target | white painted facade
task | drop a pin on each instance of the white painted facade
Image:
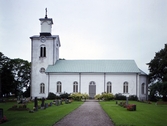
(49, 56)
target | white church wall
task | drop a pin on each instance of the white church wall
(117, 81)
(143, 80)
(97, 78)
(41, 62)
(67, 81)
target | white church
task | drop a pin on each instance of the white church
(50, 74)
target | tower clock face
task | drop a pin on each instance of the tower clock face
(42, 38)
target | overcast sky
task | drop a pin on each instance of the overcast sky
(88, 29)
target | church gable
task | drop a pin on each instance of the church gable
(93, 66)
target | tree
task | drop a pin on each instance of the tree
(21, 72)
(6, 77)
(14, 75)
(158, 74)
(7, 80)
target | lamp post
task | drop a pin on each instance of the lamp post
(127, 96)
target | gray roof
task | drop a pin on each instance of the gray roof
(93, 66)
(142, 73)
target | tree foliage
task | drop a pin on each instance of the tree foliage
(158, 74)
(14, 75)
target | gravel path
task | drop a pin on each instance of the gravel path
(88, 114)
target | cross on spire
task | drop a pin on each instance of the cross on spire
(46, 13)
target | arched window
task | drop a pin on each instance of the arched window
(59, 87)
(125, 87)
(92, 83)
(42, 51)
(42, 88)
(109, 87)
(142, 88)
(75, 86)
(42, 70)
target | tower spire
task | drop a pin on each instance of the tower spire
(46, 13)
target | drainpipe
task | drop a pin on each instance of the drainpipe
(80, 82)
(104, 81)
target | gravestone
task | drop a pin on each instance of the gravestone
(1, 113)
(57, 102)
(46, 105)
(21, 97)
(60, 102)
(43, 100)
(66, 101)
(50, 103)
(18, 98)
(36, 104)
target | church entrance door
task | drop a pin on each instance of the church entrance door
(92, 89)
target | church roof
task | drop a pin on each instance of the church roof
(93, 66)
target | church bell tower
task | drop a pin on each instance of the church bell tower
(44, 52)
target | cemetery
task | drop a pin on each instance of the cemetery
(23, 111)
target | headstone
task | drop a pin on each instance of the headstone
(21, 97)
(57, 102)
(18, 98)
(60, 101)
(42, 104)
(50, 103)
(46, 105)
(36, 104)
(66, 101)
(1, 113)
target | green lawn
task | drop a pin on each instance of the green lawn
(46, 117)
(145, 115)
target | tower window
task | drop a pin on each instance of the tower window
(125, 87)
(75, 86)
(59, 87)
(42, 70)
(42, 88)
(42, 51)
(109, 87)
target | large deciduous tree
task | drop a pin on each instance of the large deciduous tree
(158, 74)
(14, 75)
(21, 72)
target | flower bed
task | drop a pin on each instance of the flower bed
(21, 107)
(4, 119)
(161, 103)
(131, 107)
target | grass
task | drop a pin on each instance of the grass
(46, 117)
(145, 115)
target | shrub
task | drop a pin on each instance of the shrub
(14, 106)
(64, 95)
(107, 96)
(79, 96)
(133, 97)
(85, 96)
(98, 97)
(51, 96)
(104, 96)
(119, 96)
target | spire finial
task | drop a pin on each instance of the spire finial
(46, 13)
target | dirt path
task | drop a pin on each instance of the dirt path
(88, 114)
